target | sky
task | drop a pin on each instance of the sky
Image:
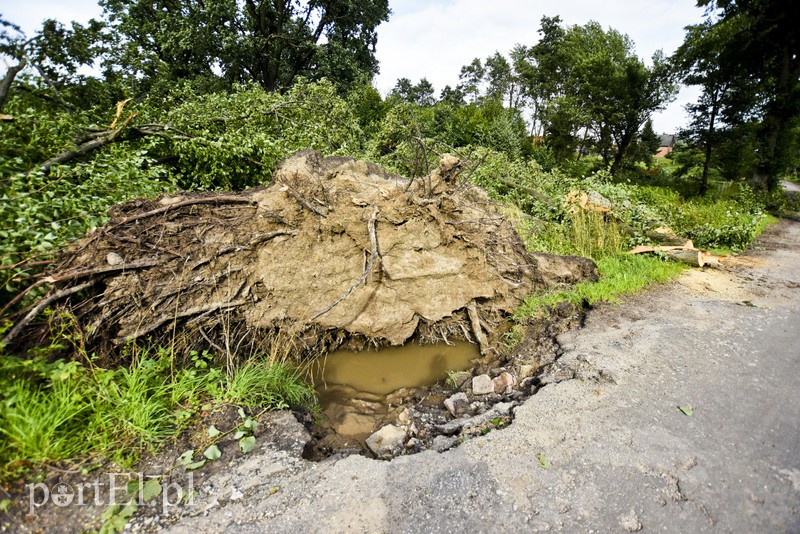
(435, 38)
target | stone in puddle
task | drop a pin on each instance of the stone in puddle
(503, 382)
(458, 404)
(482, 385)
(386, 440)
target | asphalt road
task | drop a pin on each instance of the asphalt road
(608, 451)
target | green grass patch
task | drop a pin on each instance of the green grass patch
(620, 274)
(68, 410)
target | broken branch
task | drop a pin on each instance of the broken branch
(14, 332)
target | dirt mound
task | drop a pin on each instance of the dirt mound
(334, 252)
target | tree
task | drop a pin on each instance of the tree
(646, 144)
(454, 97)
(271, 42)
(541, 70)
(421, 93)
(590, 90)
(699, 62)
(761, 47)
(470, 79)
(55, 53)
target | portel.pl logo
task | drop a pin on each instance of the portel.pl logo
(111, 489)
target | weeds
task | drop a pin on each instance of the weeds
(620, 274)
(54, 411)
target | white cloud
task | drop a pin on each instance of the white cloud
(29, 14)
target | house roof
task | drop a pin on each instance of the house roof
(667, 140)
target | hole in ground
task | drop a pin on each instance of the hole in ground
(403, 400)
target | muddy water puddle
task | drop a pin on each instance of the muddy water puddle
(361, 391)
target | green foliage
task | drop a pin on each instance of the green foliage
(621, 274)
(59, 410)
(728, 223)
(269, 42)
(235, 140)
(590, 91)
(745, 58)
(261, 383)
(39, 214)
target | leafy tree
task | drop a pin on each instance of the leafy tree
(646, 144)
(590, 90)
(421, 93)
(54, 54)
(454, 97)
(471, 78)
(700, 61)
(368, 107)
(271, 42)
(541, 70)
(759, 42)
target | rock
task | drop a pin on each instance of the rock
(526, 370)
(458, 404)
(169, 201)
(114, 259)
(482, 385)
(386, 440)
(235, 494)
(403, 418)
(559, 271)
(630, 522)
(504, 382)
(474, 424)
(478, 407)
(442, 443)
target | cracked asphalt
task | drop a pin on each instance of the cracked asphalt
(610, 450)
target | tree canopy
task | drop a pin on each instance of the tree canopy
(745, 57)
(269, 41)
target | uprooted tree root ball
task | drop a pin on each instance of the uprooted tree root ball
(335, 252)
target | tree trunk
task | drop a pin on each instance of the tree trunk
(620, 155)
(709, 142)
(5, 84)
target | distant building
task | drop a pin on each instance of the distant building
(666, 146)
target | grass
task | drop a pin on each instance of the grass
(65, 410)
(620, 274)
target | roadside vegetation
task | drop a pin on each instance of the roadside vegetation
(557, 132)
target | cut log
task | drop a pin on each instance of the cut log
(691, 257)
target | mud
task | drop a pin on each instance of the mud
(336, 253)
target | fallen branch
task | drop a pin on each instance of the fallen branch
(27, 263)
(685, 253)
(8, 79)
(14, 332)
(373, 257)
(86, 147)
(527, 190)
(73, 275)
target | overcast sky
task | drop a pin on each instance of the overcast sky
(435, 38)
